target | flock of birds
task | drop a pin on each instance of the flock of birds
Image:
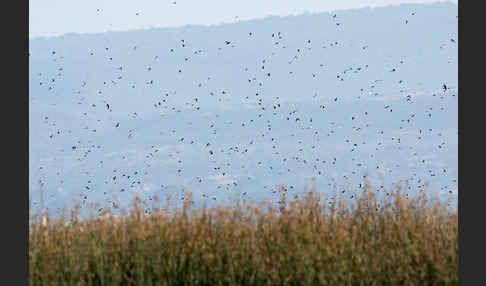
(225, 138)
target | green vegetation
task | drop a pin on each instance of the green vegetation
(304, 241)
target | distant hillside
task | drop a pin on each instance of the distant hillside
(301, 100)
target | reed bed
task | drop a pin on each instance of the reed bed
(304, 241)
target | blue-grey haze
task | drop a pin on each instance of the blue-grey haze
(308, 100)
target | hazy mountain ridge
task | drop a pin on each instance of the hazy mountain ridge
(226, 78)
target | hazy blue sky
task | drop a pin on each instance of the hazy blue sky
(55, 17)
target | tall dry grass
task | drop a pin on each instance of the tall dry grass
(301, 242)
